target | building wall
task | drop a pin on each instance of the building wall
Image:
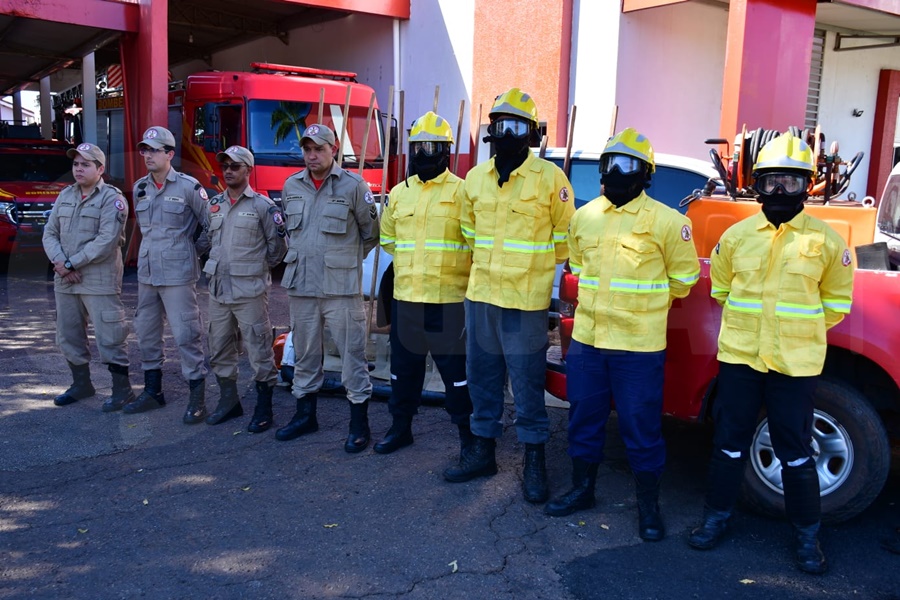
(670, 73)
(850, 81)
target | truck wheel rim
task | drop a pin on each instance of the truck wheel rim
(832, 451)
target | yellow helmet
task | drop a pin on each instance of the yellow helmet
(631, 143)
(517, 103)
(786, 152)
(431, 127)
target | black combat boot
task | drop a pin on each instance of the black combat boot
(802, 504)
(152, 396)
(196, 408)
(581, 496)
(477, 461)
(534, 474)
(81, 387)
(358, 437)
(303, 421)
(723, 484)
(650, 523)
(122, 393)
(262, 414)
(398, 436)
(229, 406)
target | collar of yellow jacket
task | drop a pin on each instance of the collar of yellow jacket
(632, 207)
(798, 222)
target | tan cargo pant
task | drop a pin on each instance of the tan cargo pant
(346, 320)
(178, 304)
(106, 312)
(252, 319)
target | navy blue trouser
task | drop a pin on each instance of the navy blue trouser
(417, 329)
(742, 392)
(594, 376)
(503, 341)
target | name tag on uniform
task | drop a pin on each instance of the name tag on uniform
(174, 199)
(247, 214)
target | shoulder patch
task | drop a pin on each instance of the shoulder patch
(119, 204)
(564, 194)
(686, 233)
(369, 198)
(202, 192)
(277, 218)
(845, 258)
(373, 212)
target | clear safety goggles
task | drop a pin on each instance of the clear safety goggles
(514, 127)
(427, 148)
(627, 165)
(791, 184)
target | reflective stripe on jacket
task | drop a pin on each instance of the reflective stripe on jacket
(631, 263)
(781, 289)
(420, 227)
(517, 232)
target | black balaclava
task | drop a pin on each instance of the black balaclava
(780, 207)
(621, 189)
(511, 153)
(429, 167)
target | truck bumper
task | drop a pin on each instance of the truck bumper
(555, 377)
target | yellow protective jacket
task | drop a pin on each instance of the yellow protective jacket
(631, 263)
(420, 227)
(517, 232)
(780, 289)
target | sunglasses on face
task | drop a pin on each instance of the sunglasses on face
(514, 127)
(791, 184)
(148, 151)
(232, 166)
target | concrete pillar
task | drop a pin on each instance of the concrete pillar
(46, 109)
(89, 99)
(17, 108)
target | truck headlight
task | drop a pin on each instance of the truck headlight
(8, 212)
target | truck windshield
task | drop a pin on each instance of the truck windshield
(275, 128)
(45, 168)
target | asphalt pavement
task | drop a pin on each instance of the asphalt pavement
(96, 505)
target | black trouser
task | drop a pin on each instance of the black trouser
(417, 329)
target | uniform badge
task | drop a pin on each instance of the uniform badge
(369, 198)
(214, 208)
(312, 130)
(373, 212)
(150, 134)
(845, 259)
(119, 204)
(278, 219)
(84, 147)
(686, 233)
(203, 194)
(564, 194)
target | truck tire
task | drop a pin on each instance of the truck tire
(852, 454)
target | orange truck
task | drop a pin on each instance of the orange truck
(32, 173)
(857, 408)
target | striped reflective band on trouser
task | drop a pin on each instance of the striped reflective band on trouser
(636, 286)
(744, 305)
(686, 279)
(799, 311)
(839, 306)
(576, 269)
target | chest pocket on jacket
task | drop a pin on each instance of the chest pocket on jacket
(293, 212)
(802, 274)
(65, 214)
(246, 231)
(142, 210)
(90, 219)
(637, 255)
(443, 222)
(334, 218)
(173, 213)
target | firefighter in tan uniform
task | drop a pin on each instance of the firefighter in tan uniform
(420, 227)
(633, 257)
(171, 211)
(516, 211)
(83, 239)
(783, 279)
(331, 224)
(246, 237)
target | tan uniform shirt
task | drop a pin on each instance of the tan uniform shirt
(170, 219)
(331, 229)
(90, 233)
(247, 240)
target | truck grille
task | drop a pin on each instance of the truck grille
(34, 213)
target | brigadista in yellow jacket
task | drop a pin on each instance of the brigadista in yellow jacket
(632, 262)
(781, 290)
(517, 232)
(421, 228)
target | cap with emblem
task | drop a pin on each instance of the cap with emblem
(237, 154)
(157, 137)
(88, 151)
(320, 134)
